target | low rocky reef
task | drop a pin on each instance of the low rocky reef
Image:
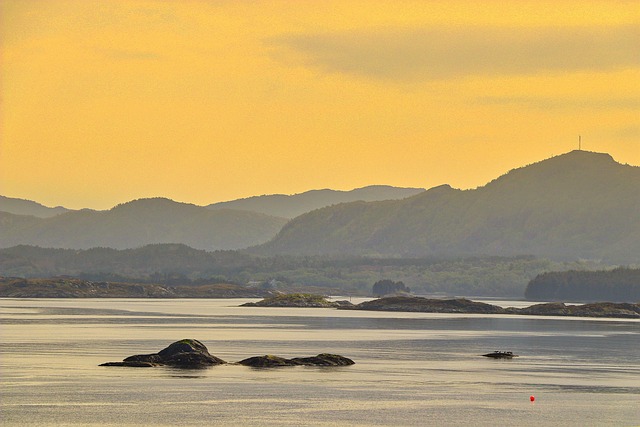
(461, 305)
(323, 359)
(500, 355)
(192, 354)
(598, 309)
(419, 304)
(298, 300)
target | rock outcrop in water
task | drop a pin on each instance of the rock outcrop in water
(599, 309)
(501, 355)
(323, 359)
(190, 353)
(187, 353)
(461, 305)
(426, 305)
(298, 300)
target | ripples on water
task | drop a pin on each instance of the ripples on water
(411, 368)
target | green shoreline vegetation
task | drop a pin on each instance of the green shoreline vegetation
(174, 265)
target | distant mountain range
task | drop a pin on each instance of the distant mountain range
(228, 225)
(28, 207)
(579, 205)
(285, 206)
(576, 205)
(141, 222)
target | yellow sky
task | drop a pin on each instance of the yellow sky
(203, 101)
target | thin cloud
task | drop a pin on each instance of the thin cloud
(441, 53)
(628, 133)
(128, 54)
(550, 103)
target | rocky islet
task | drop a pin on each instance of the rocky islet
(186, 353)
(409, 303)
(323, 359)
(462, 305)
(192, 354)
(298, 300)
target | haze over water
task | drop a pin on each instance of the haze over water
(411, 368)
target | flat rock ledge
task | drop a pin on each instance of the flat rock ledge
(187, 353)
(323, 359)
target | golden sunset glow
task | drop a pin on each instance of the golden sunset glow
(204, 101)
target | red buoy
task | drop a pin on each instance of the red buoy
(532, 398)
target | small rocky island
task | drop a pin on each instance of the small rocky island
(187, 353)
(426, 305)
(597, 309)
(455, 305)
(323, 359)
(462, 305)
(298, 300)
(190, 353)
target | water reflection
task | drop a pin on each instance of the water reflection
(411, 368)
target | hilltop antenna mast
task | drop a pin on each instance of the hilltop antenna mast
(579, 143)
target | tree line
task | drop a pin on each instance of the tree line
(617, 285)
(178, 265)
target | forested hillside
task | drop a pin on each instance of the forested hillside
(28, 207)
(579, 205)
(180, 265)
(617, 285)
(141, 222)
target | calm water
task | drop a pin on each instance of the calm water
(411, 368)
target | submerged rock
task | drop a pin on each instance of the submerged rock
(186, 353)
(323, 359)
(501, 355)
(130, 364)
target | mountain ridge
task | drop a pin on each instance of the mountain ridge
(305, 201)
(141, 222)
(161, 220)
(291, 206)
(18, 206)
(576, 205)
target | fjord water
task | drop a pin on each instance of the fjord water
(411, 368)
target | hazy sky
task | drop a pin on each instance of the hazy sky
(203, 101)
